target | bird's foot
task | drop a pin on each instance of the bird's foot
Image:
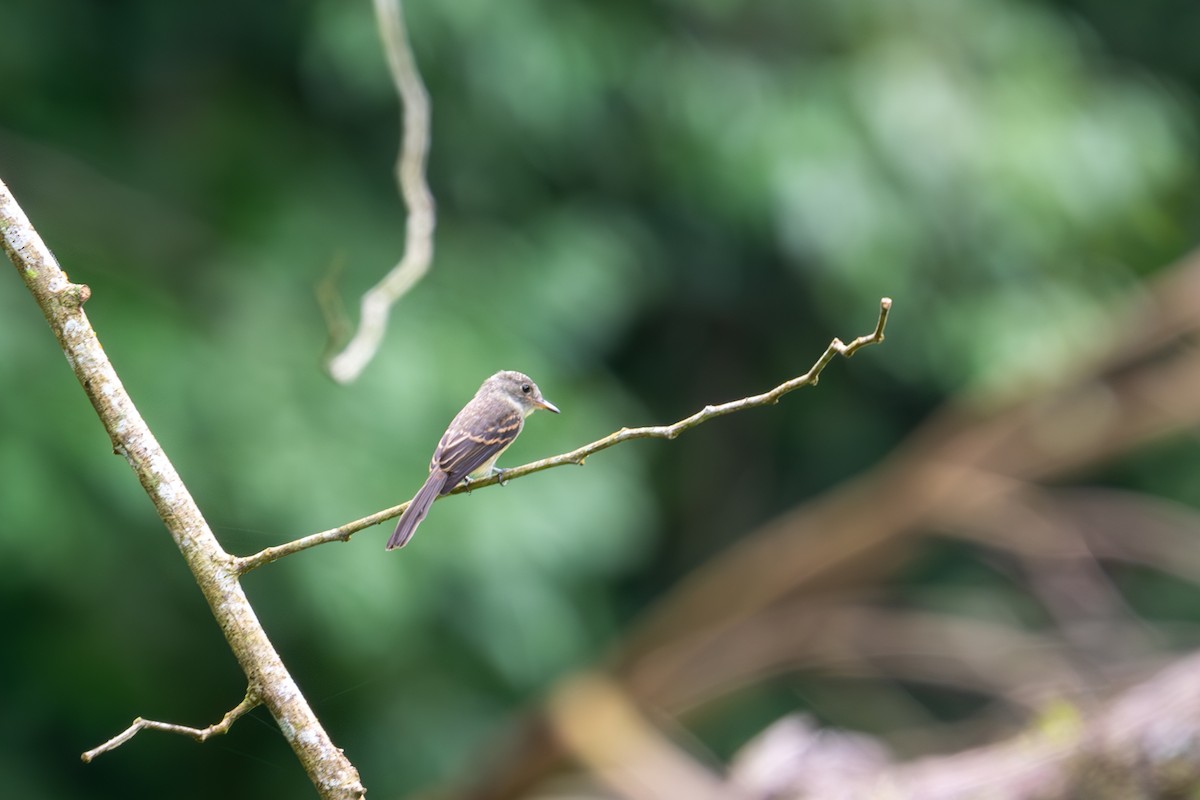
(499, 473)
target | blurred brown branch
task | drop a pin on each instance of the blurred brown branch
(854, 639)
(214, 570)
(625, 751)
(577, 456)
(377, 302)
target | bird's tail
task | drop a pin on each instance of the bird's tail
(418, 507)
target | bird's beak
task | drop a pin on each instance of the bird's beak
(541, 402)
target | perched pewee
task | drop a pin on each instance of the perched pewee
(475, 438)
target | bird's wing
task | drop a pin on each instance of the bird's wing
(465, 448)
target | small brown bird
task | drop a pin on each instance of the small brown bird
(473, 441)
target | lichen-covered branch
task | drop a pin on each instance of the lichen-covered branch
(410, 174)
(215, 570)
(577, 456)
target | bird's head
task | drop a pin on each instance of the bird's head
(521, 389)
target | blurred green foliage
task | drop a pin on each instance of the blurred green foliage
(647, 207)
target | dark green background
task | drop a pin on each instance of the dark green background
(646, 206)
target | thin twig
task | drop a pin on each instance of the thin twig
(343, 533)
(410, 174)
(250, 702)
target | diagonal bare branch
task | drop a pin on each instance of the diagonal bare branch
(214, 570)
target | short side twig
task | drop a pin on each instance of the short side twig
(199, 734)
(343, 533)
(410, 174)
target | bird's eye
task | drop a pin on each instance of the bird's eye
(526, 388)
